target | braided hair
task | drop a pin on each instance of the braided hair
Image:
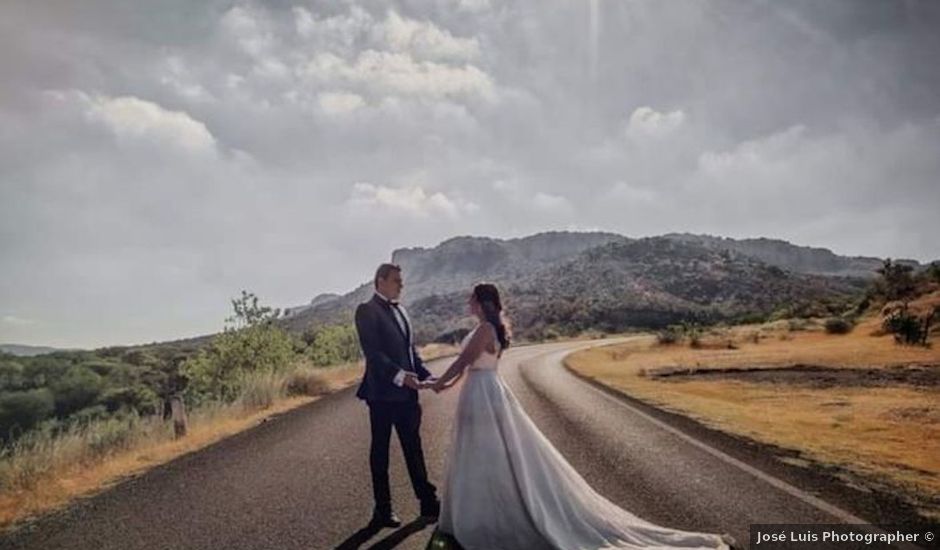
(487, 296)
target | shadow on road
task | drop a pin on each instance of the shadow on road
(399, 536)
(362, 536)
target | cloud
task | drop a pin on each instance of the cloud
(202, 148)
(411, 201)
(131, 118)
(382, 73)
(16, 321)
(339, 103)
(551, 203)
(427, 41)
(645, 122)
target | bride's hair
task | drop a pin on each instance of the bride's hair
(487, 296)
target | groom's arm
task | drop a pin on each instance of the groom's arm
(372, 348)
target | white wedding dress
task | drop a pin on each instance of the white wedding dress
(506, 487)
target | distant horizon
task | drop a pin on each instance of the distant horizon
(366, 277)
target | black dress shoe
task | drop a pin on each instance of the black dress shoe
(385, 520)
(430, 511)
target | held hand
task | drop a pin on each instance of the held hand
(438, 386)
(427, 383)
(411, 381)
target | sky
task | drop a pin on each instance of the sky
(156, 158)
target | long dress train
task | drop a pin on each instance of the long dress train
(506, 487)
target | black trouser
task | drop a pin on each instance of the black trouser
(406, 418)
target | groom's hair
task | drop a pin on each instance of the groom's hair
(384, 271)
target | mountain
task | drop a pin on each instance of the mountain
(567, 282)
(23, 350)
(318, 300)
(799, 259)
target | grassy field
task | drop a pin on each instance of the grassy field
(872, 410)
(42, 473)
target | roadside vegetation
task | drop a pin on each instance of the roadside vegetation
(856, 394)
(73, 423)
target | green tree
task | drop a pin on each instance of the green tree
(142, 399)
(332, 345)
(896, 281)
(248, 313)
(11, 375)
(20, 411)
(250, 343)
(79, 388)
(933, 272)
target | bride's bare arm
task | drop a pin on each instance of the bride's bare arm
(480, 340)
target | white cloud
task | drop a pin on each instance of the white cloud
(384, 73)
(249, 28)
(339, 103)
(719, 136)
(551, 203)
(622, 192)
(410, 200)
(759, 154)
(336, 33)
(646, 122)
(538, 201)
(132, 118)
(15, 321)
(425, 40)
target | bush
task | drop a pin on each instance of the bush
(306, 382)
(667, 336)
(76, 390)
(22, 410)
(794, 325)
(253, 345)
(896, 281)
(332, 345)
(11, 375)
(139, 398)
(838, 325)
(261, 390)
(89, 414)
(112, 434)
(906, 327)
(693, 331)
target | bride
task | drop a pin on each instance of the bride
(506, 487)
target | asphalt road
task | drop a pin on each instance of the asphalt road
(301, 480)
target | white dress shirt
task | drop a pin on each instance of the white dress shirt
(399, 379)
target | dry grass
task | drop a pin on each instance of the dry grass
(42, 473)
(883, 437)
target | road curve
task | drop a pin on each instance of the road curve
(301, 480)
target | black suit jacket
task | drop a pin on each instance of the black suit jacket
(386, 349)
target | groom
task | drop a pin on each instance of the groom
(393, 376)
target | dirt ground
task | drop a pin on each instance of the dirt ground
(858, 404)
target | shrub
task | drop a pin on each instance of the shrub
(794, 325)
(79, 388)
(305, 382)
(896, 281)
(22, 410)
(669, 335)
(333, 345)
(11, 375)
(906, 327)
(262, 389)
(838, 325)
(139, 398)
(253, 345)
